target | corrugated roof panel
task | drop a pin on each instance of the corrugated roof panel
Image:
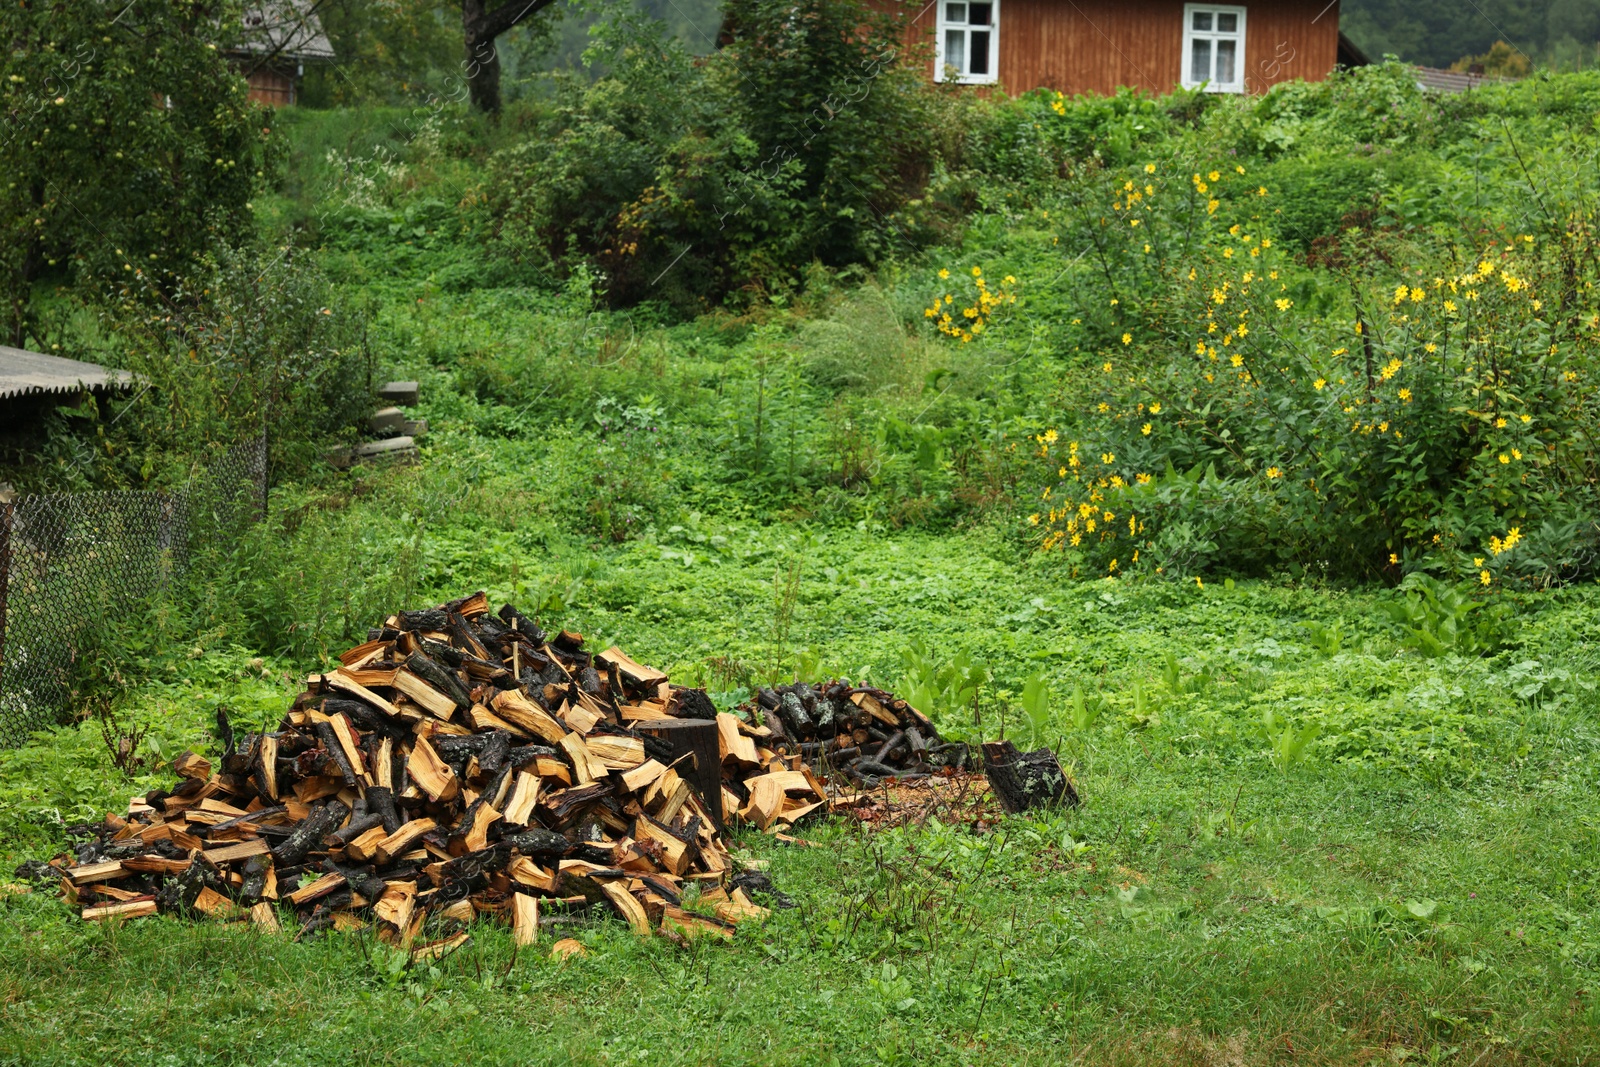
(23, 372)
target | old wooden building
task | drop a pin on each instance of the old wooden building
(279, 38)
(1095, 46)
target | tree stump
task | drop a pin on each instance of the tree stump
(1026, 780)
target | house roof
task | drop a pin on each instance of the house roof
(1450, 81)
(286, 28)
(23, 373)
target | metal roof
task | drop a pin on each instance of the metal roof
(1451, 81)
(286, 28)
(23, 373)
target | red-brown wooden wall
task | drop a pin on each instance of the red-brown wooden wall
(1094, 46)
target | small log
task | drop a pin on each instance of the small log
(1026, 780)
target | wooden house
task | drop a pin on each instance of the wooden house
(1095, 46)
(279, 38)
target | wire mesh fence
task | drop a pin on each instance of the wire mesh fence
(70, 561)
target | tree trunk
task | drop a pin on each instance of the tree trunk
(480, 26)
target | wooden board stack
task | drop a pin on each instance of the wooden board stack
(458, 764)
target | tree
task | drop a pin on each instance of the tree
(131, 149)
(481, 25)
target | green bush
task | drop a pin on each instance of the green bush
(1425, 407)
(682, 180)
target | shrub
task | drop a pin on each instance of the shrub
(1423, 410)
(683, 180)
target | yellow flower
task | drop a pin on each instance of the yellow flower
(1319, 384)
(1450, 306)
(1405, 394)
(1198, 583)
(1212, 205)
(1261, 191)
(1145, 429)
(1515, 454)
(1284, 304)
(977, 272)
(1108, 458)
(1477, 561)
(1213, 176)
(1106, 366)
(1274, 472)
(1050, 436)
(1483, 576)
(1504, 458)
(1239, 169)
(1033, 520)
(1236, 359)
(1500, 423)
(1155, 409)
(1104, 407)
(1430, 348)
(1149, 168)
(1127, 338)
(1394, 558)
(944, 272)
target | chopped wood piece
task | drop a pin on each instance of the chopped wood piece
(524, 919)
(427, 697)
(397, 843)
(766, 800)
(732, 741)
(264, 917)
(123, 909)
(320, 888)
(432, 774)
(365, 846)
(189, 765)
(435, 950)
(567, 948)
(523, 797)
(617, 753)
(642, 775)
(515, 708)
(643, 677)
(242, 850)
(342, 681)
(627, 907)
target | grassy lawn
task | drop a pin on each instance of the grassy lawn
(1302, 840)
(1419, 884)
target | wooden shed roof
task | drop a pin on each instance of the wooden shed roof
(23, 373)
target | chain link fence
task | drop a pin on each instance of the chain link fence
(71, 561)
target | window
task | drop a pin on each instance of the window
(969, 41)
(1213, 48)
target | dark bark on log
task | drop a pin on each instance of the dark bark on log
(1023, 781)
(380, 802)
(330, 744)
(445, 681)
(309, 834)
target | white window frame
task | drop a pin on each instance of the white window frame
(962, 78)
(1190, 34)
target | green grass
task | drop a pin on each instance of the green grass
(1414, 884)
(1428, 891)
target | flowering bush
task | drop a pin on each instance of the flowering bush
(974, 318)
(1435, 412)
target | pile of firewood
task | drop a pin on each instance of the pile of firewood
(859, 732)
(457, 764)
